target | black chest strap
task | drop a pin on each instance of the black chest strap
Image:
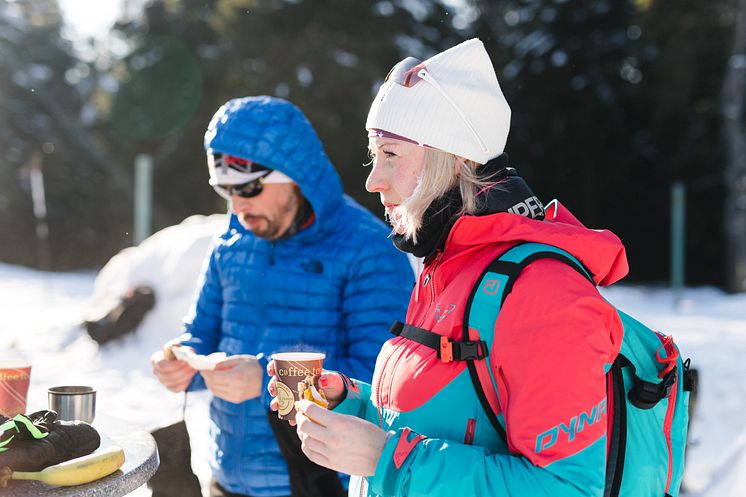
(448, 350)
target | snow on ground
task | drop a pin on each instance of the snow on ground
(41, 315)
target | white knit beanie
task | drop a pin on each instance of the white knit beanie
(468, 116)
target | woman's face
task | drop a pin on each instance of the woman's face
(396, 170)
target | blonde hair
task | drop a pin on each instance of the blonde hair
(441, 172)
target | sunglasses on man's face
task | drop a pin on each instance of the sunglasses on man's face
(243, 190)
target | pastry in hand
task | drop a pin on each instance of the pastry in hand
(168, 350)
(307, 389)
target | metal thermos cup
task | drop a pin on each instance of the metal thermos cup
(73, 403)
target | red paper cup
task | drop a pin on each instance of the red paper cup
(292, 368)
(14, 381)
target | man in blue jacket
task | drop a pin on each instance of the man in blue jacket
(301, 267)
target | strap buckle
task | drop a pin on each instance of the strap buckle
(645, 394)
(471, 351)
(461, 351)
(668, 381)
(445, 353)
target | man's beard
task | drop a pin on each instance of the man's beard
(271, 228)
(266, 230)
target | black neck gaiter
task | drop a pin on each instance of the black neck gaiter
(508, 192)
(303, 219)
(436, 222)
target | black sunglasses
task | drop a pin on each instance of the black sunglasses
(243, 190)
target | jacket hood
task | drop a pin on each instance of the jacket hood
(276, 134)
(600, 251)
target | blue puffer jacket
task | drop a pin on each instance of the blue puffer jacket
(334, 287)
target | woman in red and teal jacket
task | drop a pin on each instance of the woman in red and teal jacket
(437, 132)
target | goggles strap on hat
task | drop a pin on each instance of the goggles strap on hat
(426, 76)
(411, 71)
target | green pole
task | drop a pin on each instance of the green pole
(143, 197)
(678, 234)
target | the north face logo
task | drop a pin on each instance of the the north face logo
(313, 266)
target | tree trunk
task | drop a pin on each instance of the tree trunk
(732, 107)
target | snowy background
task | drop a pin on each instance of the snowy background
(41, 316)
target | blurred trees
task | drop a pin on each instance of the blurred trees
(612, 101)
(734, 115)
(157, 83)
(44, 93)
(325, 56)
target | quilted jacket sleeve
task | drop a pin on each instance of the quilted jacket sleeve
(203, 323)
(375, 294)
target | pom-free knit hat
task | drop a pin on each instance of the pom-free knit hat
(451, 102)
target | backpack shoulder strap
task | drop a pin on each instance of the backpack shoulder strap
(480, 315)
(486, 299)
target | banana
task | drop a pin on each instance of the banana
(78, 471)
(316, 396)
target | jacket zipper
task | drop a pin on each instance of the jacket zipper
(504, 386)
(471, 428)
(668, 421)
(272, 253)
(420, 270)
(430, 277)
(427, 280)
(378, 390)
(667, 431)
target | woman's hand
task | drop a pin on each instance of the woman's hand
(337, 441)
(330, 382)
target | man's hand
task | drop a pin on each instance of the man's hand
(338, 441)
(173, 374)
(236, 379)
